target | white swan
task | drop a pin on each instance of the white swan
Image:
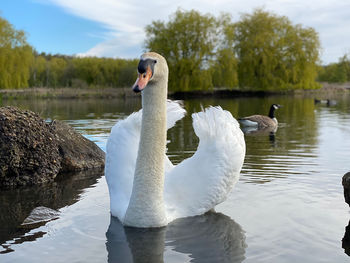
(146, 189)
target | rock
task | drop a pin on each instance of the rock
(33, 151)
(28, 148)
(77, 152)
(346, 185)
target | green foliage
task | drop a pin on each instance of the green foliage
(225, 69)
(336, 72)
(225, 63)
(15, 57)
(188, 41)
(38, 72)
(81, 72)
(261, 51)
(105, 72)
(273, 54)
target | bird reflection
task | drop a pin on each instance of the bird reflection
(268, 131)
(212, 237)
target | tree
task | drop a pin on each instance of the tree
(344, 62)
(336, 72)
(38, 71)
(56, 71)
(21, 66)
(273, 54)
(105, 71)
(15, 57)
(225, 62)
(188, 41)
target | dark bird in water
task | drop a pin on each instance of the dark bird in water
(262, 121)
(317, 101)
(328, 102)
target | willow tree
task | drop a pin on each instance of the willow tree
(188, 42)
(225, 63)
(38, 71)
(15, 57)
(274, 54)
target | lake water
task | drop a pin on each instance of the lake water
(288, 205)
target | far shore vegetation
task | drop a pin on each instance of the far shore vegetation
(261, 52)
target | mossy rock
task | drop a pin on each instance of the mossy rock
(33, 151)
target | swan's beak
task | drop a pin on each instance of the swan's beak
(142, 80)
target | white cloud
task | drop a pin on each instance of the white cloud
(125, 20)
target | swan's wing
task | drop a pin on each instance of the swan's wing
(121, 153)
(202, 181)
(175, 112)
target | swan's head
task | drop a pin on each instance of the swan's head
(152, 68)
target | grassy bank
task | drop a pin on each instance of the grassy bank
(65, 93)
(328, 90)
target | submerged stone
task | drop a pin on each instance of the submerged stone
(39, 216)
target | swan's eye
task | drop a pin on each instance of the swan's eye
(144, 75)
(154, 61)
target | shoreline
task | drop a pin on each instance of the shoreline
(64, 93)
(328, 90)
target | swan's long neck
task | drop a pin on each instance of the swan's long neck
(146, 206)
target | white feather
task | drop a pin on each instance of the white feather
(204, 180)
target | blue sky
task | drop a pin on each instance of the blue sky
(50, 28)
(115, 28)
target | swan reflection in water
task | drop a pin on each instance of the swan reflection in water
(212, 237)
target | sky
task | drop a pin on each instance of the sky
(115, 28)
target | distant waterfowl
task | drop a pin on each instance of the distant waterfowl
(331, 102)
(145, 188)
(328, 102)
(262, 121)
(317, 101)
